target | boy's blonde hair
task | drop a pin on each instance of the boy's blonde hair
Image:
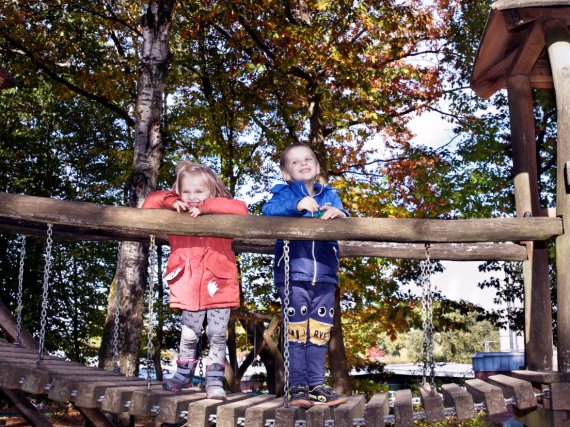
(211, 178)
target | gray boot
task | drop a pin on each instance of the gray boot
(182, 378)
(215, 382)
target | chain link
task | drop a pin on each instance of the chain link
(428, 359)
(286, 323)
(18, 341)
(43, 316)
(149, 347)
(116, 366)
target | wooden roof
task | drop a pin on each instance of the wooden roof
(513, 44)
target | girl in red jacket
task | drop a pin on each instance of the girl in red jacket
(201, 274)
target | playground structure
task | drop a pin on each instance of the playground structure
(526, 45)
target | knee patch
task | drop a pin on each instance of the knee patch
(320, 332)
(297, 332)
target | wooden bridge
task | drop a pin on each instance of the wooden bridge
(94, 390)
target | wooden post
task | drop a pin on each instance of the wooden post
(558, 42)
(537, 303)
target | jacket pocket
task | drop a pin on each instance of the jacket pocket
(220, 266)
(174, 268)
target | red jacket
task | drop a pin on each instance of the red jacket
(201, 272)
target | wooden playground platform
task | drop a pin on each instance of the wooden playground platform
(96, 389)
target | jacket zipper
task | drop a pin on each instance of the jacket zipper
(314, 281)
(314, 265)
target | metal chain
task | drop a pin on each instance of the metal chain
(286, 323)
(116, 367)
(149, 347)
(18, 341)
(428, 358)
(43, 316)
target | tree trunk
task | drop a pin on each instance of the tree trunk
(337, 357)
(132, 260)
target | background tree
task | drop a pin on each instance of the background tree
(248, 78)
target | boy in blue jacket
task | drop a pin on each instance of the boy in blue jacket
(313, 275)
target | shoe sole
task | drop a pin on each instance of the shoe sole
(335, 402)
(301, 403)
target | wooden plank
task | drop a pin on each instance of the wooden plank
(432, 403)
(91, 394)
(346, 412)
(403, 409)
(317, 415)
(90, 388)
(200, 411)
(541, 377)
(376, 409)
(146, 403)
(257, 416)
(118, 399)
(174, 408)
(127, 223)
(228, 415)
(512, 387)
(489, 394)
(460, 399)
(39, 381)
(286, 417)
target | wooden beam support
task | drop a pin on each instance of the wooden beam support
(130, 223)
(392, 250)
(537, 302)
(558, 42)
(28, 411)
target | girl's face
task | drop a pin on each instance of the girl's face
(300, 165)
(194, 189)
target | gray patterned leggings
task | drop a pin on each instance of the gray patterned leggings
(192, 321)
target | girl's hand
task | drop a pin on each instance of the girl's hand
(308, 204)
(331, 212)
(194, 212)
(181, 206)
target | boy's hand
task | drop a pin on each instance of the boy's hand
(331, 212)
(308, 204)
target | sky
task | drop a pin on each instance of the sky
(459, 280)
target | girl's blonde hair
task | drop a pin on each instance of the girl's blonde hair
(211, 178)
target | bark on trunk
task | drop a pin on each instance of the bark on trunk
(338, 361)
(148, 148)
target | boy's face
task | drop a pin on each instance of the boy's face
(194, 189)
(300, 165)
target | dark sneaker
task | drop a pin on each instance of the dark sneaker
(325, 395)
(299, 396)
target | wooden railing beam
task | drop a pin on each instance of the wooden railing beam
(123, 223)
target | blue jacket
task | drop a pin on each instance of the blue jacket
(310, 260)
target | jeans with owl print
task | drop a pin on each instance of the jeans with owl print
(310, 311)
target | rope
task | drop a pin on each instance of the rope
(428, 359)
(286, 324)
(43, 316)
(149, 349)
(18, 341)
